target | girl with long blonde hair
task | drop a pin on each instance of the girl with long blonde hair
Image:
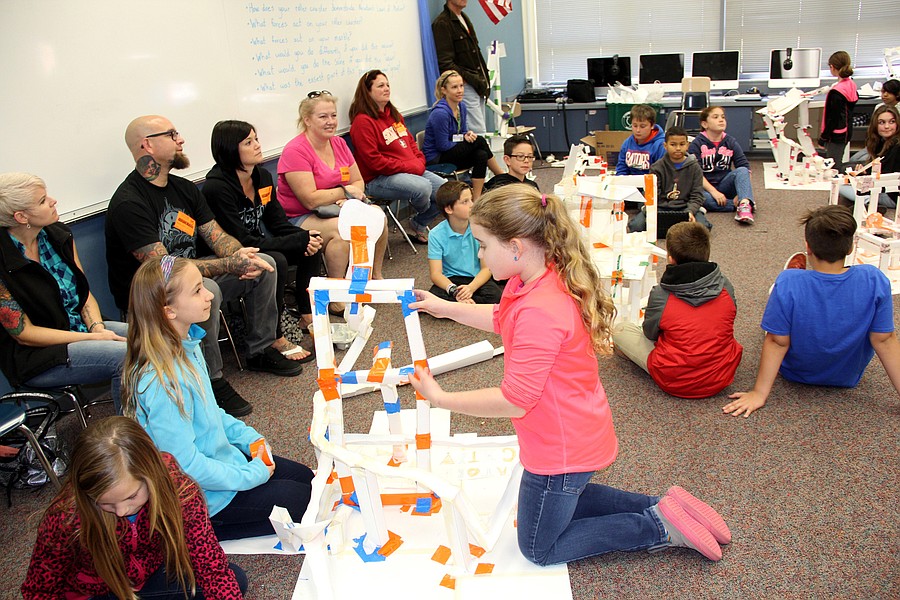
(127, 521)
(167, 389)
(555, 319)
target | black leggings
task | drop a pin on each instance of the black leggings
(465, 155)
(307, 268)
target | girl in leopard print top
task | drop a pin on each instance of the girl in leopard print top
(126, 521)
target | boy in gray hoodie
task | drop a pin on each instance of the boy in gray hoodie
(679, 182)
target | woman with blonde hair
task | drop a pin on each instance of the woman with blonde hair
(126, 522)
(53, 333)
(554, 319)
(316, 173)
(448, 138)
(166, 388)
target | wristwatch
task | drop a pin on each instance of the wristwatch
(451, 289)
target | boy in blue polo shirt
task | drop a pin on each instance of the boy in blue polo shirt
(456, 271)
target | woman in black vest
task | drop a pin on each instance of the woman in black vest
(52, 332)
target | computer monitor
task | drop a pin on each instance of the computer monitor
(609, 70)
(795, 68)
(722, 68)
(666, 69)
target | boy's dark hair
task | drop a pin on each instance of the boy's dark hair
(829, 232)
(891, 86)
(675, 130)
(688, 242)
(514, 140)
(448, 194)
(643, 112)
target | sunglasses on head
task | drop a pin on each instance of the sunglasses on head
(319, 93)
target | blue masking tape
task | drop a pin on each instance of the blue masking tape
(321, 297)
(349, 377)
(406, 298)
(423, 505)
(373, 557)
(359, 277)
(392, 408)
(407, 371)
(384, 345)
(354, 308)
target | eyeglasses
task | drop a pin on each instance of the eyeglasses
(522, 157)
(319, 93)
(172, 133)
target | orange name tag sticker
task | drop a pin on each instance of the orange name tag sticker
(185, 223)
(345, 174)
(265, 194)
(400, 128)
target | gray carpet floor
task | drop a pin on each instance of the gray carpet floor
(809, 484)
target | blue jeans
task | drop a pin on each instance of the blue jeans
(159, 587)
(846, 193)
(247, 515)
(736, 184)
(90, 361)
(419, 190)
(563, 518)
(639, 221)
(475, 113)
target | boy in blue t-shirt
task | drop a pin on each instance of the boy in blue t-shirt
(645, 144)
(809, 337)
(456, 271)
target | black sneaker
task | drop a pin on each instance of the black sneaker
(271, 360)
(229, 400)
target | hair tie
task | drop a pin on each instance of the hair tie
(544, 200)
(166, 263)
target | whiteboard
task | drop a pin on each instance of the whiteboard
(75, 73)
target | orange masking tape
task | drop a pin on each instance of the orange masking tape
(423, 441)
(649, 190)
(358, 237)
(441, 555)
(376, 373)
(587, 204)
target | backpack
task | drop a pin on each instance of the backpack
(24, 470)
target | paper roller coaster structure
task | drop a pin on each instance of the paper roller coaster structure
(358, 475)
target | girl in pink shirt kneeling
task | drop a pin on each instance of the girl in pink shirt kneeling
(554, 318)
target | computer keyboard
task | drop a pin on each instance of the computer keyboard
(746, 97)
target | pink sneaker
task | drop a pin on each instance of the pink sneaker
(702, 513)
(744, 212)
(685, 531)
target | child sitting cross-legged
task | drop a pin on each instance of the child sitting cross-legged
(824, 324)
(679, 182)
(456, 271)
(726, 170)
(687, 340)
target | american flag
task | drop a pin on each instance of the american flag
(496, 9)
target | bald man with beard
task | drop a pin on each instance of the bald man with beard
(153, 213)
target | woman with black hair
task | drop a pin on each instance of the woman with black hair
(242, 196)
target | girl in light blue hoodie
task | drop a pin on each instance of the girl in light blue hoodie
(166, 387)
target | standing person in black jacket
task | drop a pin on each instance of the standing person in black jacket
(242, 196)
(458, 50)
(53, 333)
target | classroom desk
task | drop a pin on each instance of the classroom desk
(578, 119)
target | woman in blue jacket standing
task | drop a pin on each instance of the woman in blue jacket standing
(449, 140)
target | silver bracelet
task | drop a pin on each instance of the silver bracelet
(94, 324)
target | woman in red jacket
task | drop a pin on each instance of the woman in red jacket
(389, 159)
(128, 521)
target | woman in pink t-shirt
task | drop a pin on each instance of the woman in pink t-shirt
(554, 318)
(317, 170)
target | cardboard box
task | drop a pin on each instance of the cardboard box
(607, 144)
